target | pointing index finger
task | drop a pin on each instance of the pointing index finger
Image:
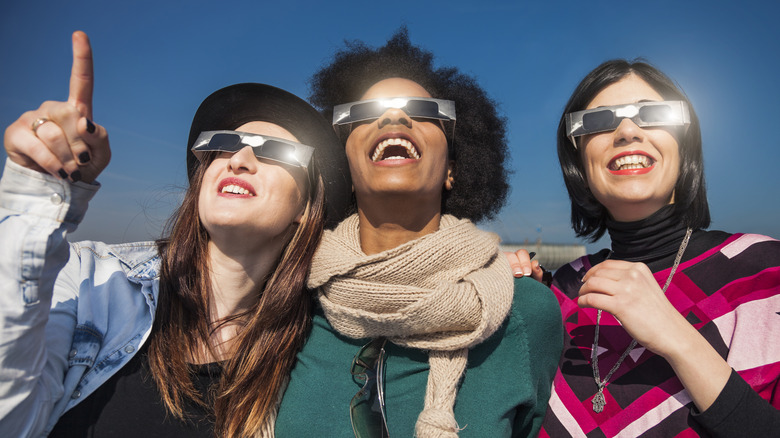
(81, 76)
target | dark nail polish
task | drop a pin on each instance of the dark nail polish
(84, 157)
(63, 174)
(90, 127)
(75, 176)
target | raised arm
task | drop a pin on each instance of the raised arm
(55, 153)
(60, 138)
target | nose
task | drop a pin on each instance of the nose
(628, 132)
(243, 161)
(395, 116)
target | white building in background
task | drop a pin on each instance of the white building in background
(551, 255)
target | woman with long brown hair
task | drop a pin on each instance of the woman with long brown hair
(193, 335)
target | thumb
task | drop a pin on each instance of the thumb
(81, 76)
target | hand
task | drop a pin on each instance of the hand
(630, 293)
(522, 266)
(68, 144)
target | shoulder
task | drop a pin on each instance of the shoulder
(751, 246)
(531, 337)
(568, 278)
(533, 299)
(535, 316)
(137, 259)
(740, 254)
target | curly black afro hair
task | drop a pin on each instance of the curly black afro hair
(480, 180)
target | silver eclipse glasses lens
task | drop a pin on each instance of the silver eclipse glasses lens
(415, 107)
(263, 146)
(644, 114)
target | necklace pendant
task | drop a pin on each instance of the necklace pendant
(599, 402)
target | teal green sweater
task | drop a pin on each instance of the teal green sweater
(503, 393)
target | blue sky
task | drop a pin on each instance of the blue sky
(155, 61)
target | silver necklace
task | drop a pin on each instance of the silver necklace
(598, 400)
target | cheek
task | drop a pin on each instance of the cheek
(593, 148)
(436, 142)
(434, 132)
(674, 175)
(354, 155)
(212, 172)
(300, 180)
(584, 140)
(351, 146)
(206, 185)
(290, 185)
(666, 142)
(587, 162)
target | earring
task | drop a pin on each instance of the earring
(449, 183)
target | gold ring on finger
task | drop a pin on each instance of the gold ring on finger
(37, 124)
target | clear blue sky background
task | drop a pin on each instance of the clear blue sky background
(156, 60)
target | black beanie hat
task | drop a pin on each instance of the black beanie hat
(235, 105)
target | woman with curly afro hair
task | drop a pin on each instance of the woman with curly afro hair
(420, 329)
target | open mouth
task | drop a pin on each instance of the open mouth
(235, 186)
(631, 162)
(395, 149)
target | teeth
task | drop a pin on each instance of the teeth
(236, 190)
(631, 162)
(380, 149)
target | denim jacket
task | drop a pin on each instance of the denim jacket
(71, 315)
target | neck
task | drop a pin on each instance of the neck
(632, 212)
(389, 221)
(636, 211)
(236, 279)
(237, 276)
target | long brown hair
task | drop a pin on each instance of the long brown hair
(271, 333)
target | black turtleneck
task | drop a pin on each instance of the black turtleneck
(655, 240)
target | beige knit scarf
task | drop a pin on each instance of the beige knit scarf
(445, 292)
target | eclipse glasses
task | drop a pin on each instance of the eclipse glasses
(263, 146)
(415, 107)
(644, 114)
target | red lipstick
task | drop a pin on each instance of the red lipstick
(647, 165)
(231, 181)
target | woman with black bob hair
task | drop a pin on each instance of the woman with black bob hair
(190, 336)
(588, 216)
(673, 330)
(420, 330)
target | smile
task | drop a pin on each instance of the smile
(236, 190)
(235, 186)
(395, 149)
(631, 162)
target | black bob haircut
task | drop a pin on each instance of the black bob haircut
(588, 216)
(480, 179)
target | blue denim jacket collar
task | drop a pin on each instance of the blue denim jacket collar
(140, 266)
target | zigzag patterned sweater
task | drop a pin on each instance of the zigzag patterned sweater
(728, 287)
